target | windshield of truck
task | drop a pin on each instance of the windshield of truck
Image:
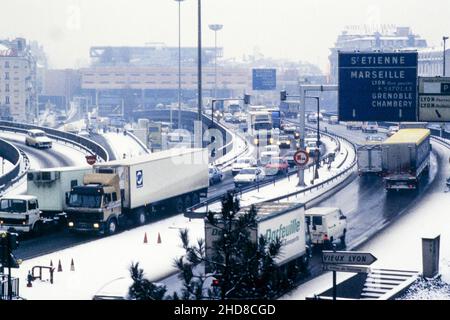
(84, 200)
(13, 206)
(263, 126)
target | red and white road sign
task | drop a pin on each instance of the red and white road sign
(301, 157)
(92, 159)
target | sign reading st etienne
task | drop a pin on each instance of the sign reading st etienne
(348, 257)
(264, 79)
(434, 99)
(377, 86)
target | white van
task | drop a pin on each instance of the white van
(326, 223)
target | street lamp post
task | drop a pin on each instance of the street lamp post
(316, 172)
(443, 69)
(179, 62)
(199, 63)
(215, 28)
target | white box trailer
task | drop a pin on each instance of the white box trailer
(159, 176)
(369, 158)
(50, 185)
(274, 220)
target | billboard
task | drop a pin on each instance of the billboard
(264, 79)
(434, 99)
(377, 86)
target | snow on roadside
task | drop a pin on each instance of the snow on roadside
(123, 145)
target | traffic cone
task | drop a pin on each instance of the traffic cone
(159, 238)
(72, 266)
(145, 238)
(59, 266)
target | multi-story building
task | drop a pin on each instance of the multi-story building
(17, 80)
(358, 38)
(431, 62)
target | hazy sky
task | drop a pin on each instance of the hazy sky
(293, 29)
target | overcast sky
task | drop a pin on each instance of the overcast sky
(293, 29)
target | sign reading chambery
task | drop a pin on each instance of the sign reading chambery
(377, 86)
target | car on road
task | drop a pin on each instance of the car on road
(289, 157)
(392, 130)
(333, 120)
(276, 165)
(227, 117)
(271, 148)
(284, 142)
(326, 225)
(242, 163)
(370, 126)
(38, 139)
(248, 176)
(374, 139)
(289, 129)
(350, 125)
(215, 175)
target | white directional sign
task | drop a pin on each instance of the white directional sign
(434, 99)
(348, 257)
(346, 268)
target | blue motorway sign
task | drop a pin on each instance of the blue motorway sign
(377, 86)
(264, 79)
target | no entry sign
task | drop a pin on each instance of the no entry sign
(92, 159)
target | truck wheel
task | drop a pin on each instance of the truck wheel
(179, 208)
(37, 229)
(111, 227)
(342, 238)
(141, 217)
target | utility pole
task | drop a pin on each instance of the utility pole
(443, 69)
(179, 63)
(199, 63)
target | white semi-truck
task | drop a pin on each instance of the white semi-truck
(260, 127)
(369, 158)
(285, 221)
(136, 188)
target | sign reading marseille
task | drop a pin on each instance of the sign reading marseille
(377, 86)
(264, 79)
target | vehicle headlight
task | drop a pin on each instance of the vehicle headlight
(271, 140)
(279, 142)
(71, 224)
(288, 142)
(255, 141)
(96, 225)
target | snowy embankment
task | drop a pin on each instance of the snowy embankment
(102, 261)
(239, 148)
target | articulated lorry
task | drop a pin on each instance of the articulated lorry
(405, 157)
(123, 191)
(260, 127)
(285, 221)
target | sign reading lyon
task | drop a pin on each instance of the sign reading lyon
(377, 86)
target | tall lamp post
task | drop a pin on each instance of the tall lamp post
(199, 63)
(316, 172)
(443, 69)
(179, 62)
(215, 28)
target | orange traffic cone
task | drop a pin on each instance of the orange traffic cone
(72, 266)
(145, 238)
(59, 266)
(159, 238)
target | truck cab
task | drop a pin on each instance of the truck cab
(96, 206)
(20, 213)
(326, 225)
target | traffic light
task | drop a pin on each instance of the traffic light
(283, 95)
(246, 99)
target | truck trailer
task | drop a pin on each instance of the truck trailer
(405, 156)
(131, 190)
(369, 158)
(285, 221)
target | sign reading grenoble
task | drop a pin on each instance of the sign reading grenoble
(377, 86)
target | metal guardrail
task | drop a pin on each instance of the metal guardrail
(66, 137)
(13, 155)
(4, 287)
(206, 203)
(138, 141)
